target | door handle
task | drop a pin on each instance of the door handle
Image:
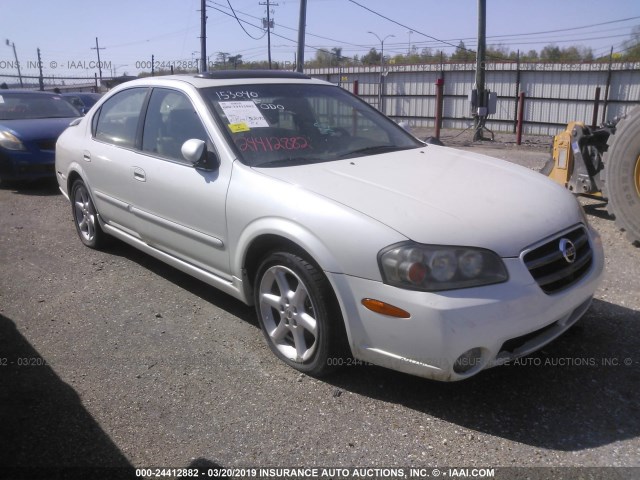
(86, 155)
(139, 174)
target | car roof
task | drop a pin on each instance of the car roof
(228, 77)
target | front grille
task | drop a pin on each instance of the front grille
(549, 267)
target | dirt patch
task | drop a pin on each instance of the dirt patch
(533, 151)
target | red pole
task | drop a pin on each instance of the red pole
(596, 104)
(355, 87)
(439, 90)
(520, 115)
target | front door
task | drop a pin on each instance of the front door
(180, 209)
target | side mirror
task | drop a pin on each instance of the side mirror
(195, 152)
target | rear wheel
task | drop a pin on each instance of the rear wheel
(298, 314)
(85, 216)
(622, 175)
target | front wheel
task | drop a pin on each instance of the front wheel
(298, 314)
(85, 217)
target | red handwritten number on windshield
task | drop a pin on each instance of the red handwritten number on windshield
(270, 144)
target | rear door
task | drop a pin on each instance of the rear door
(111, 155)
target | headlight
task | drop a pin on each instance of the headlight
(9, 141)
(433, 267)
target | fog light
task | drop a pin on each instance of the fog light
(468, 360)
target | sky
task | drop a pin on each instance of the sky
(130, 32)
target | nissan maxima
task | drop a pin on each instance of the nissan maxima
(355, 241)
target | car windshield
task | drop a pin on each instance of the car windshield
(21, 106)
(273, 125)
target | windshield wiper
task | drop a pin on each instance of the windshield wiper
(290, 162)
(373, 150)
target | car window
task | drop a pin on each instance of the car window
(279, 125)
(29, 105)
(171, 120)
(118, 117)
(75, 101)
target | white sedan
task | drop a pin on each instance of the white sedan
(355, 241)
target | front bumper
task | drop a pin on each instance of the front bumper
(26, 165)
(504, 321)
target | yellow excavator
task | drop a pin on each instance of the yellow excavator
(602, 162)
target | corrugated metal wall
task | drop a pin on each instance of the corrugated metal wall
(555, 94)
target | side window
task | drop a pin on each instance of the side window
(171, 120)
(118, 118)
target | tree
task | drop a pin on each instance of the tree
(463, 54)
(371, 58)
(323, 58)
(235, 60)
(499, 52)
(221, 59)
(551, 53)
(631, 47)
(336, 55)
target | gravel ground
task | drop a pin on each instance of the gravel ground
(113, 359)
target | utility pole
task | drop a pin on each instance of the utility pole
(40, 78)
(269, 24)
(203, 35)
(97, 48)
(480, 113)
(302, 24)
(12, 44)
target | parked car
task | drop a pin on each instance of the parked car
(355, 241)
(83, 101)
(30, 123)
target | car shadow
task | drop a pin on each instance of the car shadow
(598, 210)
(578, 392)
(39, 188)
(196, 287)
(46, 432)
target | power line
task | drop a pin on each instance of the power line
(256, 26)
(404, 26)
(568, 29)
(445, 42)
(437, 41)
(341, 42)
(240, 23)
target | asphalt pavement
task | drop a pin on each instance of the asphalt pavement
(113, 359)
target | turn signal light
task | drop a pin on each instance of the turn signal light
(385, 308)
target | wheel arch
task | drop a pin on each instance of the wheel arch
(71, 179)
(267, 235)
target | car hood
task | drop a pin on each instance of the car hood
(36, 128)
(439, 195)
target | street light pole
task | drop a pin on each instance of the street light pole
(12, 44)
(381, 86)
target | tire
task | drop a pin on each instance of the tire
(85, 217)
(298, 314)
(622, 175)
